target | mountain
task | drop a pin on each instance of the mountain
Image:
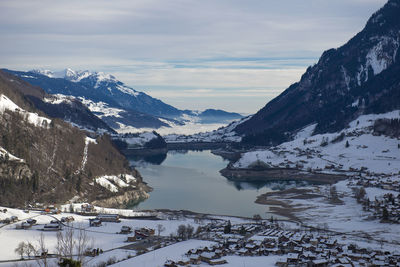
(67, 109)
(44, 159)
(117, 104)
(120, 106)
(360, 77)
(217, 115)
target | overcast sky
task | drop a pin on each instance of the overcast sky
(195, 54)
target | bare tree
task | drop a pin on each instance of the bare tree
(65, 242)
(43, 251)
(160, 229)
(181, 232)
(30, 249)
(72, 243)
(189, 231)
(82, 244)
(20, 249)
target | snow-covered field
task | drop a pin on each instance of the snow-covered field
(357, 151)
(348, 217)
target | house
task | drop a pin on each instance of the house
(170, 263)
(108, 218)
(208, 256)
(87, 208)
(194, 259)
(52, 227)
(126, 230)
(319, 263)
(217, 262)
(292, 258)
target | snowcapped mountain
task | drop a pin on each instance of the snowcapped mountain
(120, 106)
(360, 77)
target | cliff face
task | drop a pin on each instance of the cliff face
(360, 77)
(48, 160)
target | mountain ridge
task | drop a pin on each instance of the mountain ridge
(337, 89)
(136, 109)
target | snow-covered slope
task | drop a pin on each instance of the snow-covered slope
(32, 118)
(356, 149)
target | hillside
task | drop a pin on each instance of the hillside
(360, 77)
(48, 160)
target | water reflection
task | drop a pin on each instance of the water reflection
(276, 185)
(141, 160)
(190, 180)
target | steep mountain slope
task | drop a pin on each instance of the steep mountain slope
(360, 77)
(48, 160)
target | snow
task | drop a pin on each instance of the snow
(137, 140)
(373, 154)
(355, 103)
(104, 182)
(224, 133)
(32, 118)
(348, 217)
(101, 109)
(88, 141)
(379, 57)
(58, 99)
(128, 90)
(103, 237)
(112, 182)
(160, 256)
(306, 131)
(4, 152)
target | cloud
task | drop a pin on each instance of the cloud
(185, 45)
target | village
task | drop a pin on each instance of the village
(228, 239)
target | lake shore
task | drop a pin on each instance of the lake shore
(280, 174)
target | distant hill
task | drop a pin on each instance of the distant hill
(360, 77)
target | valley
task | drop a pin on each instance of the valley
(95, 172)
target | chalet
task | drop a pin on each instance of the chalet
(217, 262)
(207, 256)
(52, 227)
(125, 230)
(87, 208)
(170, 263)
(194, 259)
(319, 263)
(292, 258)
(108, 218)
(23, 225)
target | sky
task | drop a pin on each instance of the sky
(193, 54)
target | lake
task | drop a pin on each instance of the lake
(191, 181)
